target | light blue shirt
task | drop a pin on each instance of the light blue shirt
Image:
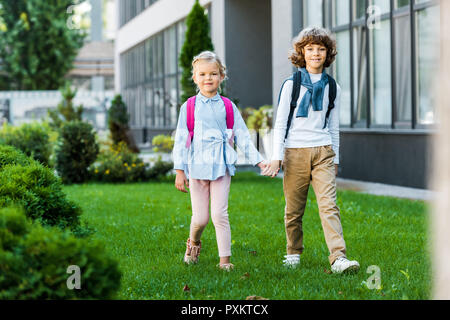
(210, 154)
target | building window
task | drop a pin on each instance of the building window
(313, 10)
(342, 75)
(385, 69)
(428, 57)
(128, 9)
(150, 79)
(380, 64)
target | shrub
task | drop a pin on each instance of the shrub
(65, 111)
(76, 150)
(32, 139)
(118, 124)
(118, 164)
(39, 192)
(159, 169)
(260, 118)
(34, 262)
(163, 143)
(10, 155)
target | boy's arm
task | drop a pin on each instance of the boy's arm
(282, 114)
(334, 124)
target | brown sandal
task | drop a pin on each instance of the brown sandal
(192, 252)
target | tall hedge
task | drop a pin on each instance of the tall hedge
(197, 39)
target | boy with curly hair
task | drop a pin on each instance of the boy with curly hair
(306, 143)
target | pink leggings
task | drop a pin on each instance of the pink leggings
(216, 190)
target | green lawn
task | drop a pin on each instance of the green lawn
(145, 226)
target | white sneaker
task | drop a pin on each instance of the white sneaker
(343, 265)
(292, 260)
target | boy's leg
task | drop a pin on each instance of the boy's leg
(220, 190)
(324, 184)
(297, 173)
(199, 190)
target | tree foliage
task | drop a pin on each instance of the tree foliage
(119, 128)
(37, 43)
(197, 39)
(65, 110)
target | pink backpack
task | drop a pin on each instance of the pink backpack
(191, 119)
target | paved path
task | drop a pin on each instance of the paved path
(374, 188)
(385, 189)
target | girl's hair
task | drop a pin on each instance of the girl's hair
(210, 57)
(312, 35)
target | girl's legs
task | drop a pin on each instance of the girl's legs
(201, 192)
(220, 190)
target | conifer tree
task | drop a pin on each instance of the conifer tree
(197, 39)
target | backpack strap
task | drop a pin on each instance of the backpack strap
(297, 78)
(190, 119)
(230, 117)
(332, 89)
(230, 112)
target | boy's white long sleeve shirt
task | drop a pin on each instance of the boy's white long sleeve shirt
(306, 132)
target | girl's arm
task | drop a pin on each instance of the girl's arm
(179, 153)
(243, 139)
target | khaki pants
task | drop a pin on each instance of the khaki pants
(301, 167)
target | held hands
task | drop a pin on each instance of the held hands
(271, 168)
(181, 181)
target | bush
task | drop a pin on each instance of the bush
(260, 118)
(159, 169)
(32, 139)
(118, 124)
(76, 150)
(34, 262)
(65, 111)
(10, 155)
(118, 164)
(163, 143)
(39, 192)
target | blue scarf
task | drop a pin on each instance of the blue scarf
(314, 94)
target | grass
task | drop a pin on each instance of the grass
(145, 227)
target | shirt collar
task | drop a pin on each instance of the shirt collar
(205, 99)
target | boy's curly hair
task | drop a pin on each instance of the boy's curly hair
(312, 35)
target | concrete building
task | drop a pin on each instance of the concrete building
(388, 53)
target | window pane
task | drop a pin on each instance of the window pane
(170, 59)
(428, 57)
(382, 106)
(359, 9)
(343, 75)
(403, 67)
(341, 9)
(313, 13)
(383, 5)
(359, 75)
(401, 3)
